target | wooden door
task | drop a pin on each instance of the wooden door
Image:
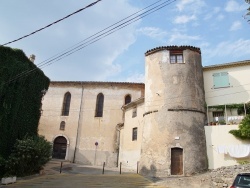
(59, 148)
(176, 161)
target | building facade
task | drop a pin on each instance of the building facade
(162, 126)
(81, 119)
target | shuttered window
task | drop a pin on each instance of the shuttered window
(221, 79)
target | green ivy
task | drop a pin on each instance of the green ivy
(239, 107)
(244, 129)
(20, 99)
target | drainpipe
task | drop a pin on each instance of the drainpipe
(118, 128)
(226, 113)
(78, 126)
(118, 151)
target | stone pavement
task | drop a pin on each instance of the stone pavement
(80, 180)
(75, 176)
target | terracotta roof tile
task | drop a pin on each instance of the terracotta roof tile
(172, 48)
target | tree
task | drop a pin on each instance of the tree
(28, 156)
(20, 99)
(244, 129)
(248, 13)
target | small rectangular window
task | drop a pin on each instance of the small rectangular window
(134, 113)
(176, 56)
(221, 80)
(134, 134)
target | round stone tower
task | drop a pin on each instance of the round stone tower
(173, 134)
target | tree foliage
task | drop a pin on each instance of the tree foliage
(244, 129)
(20, 99)
(28, 156)
(248, 13)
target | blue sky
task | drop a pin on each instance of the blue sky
(217, 27)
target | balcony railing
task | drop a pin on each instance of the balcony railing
(229, 120)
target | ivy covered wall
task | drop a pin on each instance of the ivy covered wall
(20, 100)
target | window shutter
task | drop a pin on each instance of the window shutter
(221, 80)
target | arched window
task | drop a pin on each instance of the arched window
(99, 105)
(66, 104)
(127, 99)
(62, 125)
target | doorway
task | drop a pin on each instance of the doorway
(176, 161)
(59, 148)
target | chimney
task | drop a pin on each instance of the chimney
(32, 58)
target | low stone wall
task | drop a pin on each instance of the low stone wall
(224, 176)
(220, 177)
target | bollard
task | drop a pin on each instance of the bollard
(61, 167)
(137, 167)
(120, 167)
(103, 167)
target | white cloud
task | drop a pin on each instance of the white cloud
(152, 32)
(234, 6)
(235, 49)
(220, 17)
(215, 11)
(236, 26)
(184, 19)
(95, 62)
(183, 3)
(177, 37)
(136, 77)
(191, 11)
(190, 5)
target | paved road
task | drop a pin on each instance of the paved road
(75, 175)
(81, 180)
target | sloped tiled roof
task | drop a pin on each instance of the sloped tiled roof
(96, 82)
(226, 65)
(172, 48)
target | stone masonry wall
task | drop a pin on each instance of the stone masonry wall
(221, 177)
(224, 176)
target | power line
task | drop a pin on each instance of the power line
(57, 21)
(90, 40)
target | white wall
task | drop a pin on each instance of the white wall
(238, 92)
(219, 136)
(130, 151)
(91, 129)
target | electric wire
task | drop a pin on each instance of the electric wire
(97, 38)
(100, 31)
(55, 22)
(91, 41)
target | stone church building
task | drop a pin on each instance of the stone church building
(159, 125)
